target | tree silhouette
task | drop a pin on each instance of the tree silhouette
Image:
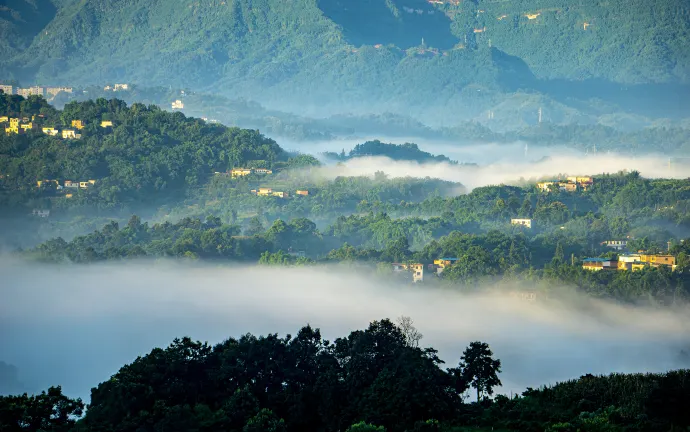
(480, 369)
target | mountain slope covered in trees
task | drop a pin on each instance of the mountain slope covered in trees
(329, 52)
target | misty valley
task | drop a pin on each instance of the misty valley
(344, 216)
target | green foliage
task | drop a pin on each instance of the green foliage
(365, 427)
(407, 151)
(49, 411)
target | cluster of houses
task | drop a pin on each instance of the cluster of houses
(417, 269)
(631, 262)
(48, 92)
(265, 191)
(22, 125)
(241, 172)
(116, 87)
(571, 184)
(67, 186)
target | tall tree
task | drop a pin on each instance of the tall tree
(480, 368)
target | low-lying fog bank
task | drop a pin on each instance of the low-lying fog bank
(497, 163)
(507, 172)
(76, 325)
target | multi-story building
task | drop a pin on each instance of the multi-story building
(616, 244)
(639, 261)
(53, 91)
(78, 124)
(7, 89)
(31, 91)
(262, 171)
(122, 87)
(302, 192)
(177, 105)
(14, 127)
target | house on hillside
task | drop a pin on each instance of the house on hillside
(70, 134)
(527, 223)
(78, 124)
(416, 269)
(177, 105)
(598, 264)
(106, 124)
(615, 244)
(50, 131)
(442, 263)
(240, 172)
(40, 213)
(302, 192)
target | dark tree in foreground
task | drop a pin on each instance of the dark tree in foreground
(48, 412)
(480, 369)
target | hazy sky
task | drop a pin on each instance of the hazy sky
(76, 325)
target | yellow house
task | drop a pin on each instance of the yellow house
(280, 194)
(240, 172)
(442, 263)
(69, 195)
(86, 184)
(78, 124)
(545, 186)
(50, 131)
(70, 134)
(41, 182)
(4, 119)
(639, 261)
(106, 123)
(533, 16)
(264, 192)
(302, 192)
(28, 126)
(657, 260)
(14, 127)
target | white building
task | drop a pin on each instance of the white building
(527, 223)
(177, 105)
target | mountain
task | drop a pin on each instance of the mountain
(442, 59)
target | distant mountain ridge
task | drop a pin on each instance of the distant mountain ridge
(457, 55)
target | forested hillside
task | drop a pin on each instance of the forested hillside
(378, 379)
(355, 54)
(143, 154)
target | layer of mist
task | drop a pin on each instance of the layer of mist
(506, 164)
(76, 325)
